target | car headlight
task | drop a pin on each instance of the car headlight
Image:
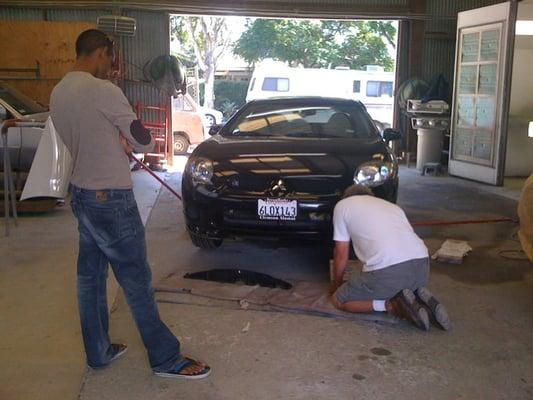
(201, 170)
(373, 174)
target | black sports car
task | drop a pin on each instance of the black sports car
(279, 166)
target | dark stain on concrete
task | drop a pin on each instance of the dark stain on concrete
(379, 351)
(363, 357)
(428, 199)
(358, 377)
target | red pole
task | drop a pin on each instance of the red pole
(476, 221)
(162, 182)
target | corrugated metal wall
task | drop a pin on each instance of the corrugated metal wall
(439, 45)
(79, 14)
(150, 40)
(30, 14)
(152, 37)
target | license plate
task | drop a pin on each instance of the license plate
(285, 210)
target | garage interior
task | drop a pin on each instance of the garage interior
(274, 354)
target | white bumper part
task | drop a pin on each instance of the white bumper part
(51, 168)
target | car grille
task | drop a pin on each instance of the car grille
(318, 186)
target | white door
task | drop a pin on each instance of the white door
(481, 92)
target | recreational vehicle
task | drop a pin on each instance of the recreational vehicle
(373, 86)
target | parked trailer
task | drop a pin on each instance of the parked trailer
(373, 86)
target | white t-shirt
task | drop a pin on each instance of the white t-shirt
(88, 114)
(379, 231)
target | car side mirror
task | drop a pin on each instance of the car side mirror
(215, 129)
(390, 134)
(3, 113)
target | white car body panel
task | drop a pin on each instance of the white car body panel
(51, 168)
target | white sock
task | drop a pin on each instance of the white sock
(378, 305)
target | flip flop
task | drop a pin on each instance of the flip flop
(436, 309)
(175, 372)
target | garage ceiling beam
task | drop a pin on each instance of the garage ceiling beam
(256, 8)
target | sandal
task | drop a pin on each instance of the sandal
(176, 371)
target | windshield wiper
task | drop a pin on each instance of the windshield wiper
(302, 134)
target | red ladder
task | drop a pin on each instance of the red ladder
(156, 119)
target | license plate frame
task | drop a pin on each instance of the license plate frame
(277, 209)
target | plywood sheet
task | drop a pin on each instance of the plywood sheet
(51, 44)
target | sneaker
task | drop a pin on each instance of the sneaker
(405, 306)
(177, 370)
(436, 309)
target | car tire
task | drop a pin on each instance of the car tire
(205, 243)
(180, 145)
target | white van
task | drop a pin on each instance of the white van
(373, 87)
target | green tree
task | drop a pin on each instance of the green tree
(205, 38)
(318, 44)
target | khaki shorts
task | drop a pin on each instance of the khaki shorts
(386, 282)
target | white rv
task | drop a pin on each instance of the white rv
(373, 87)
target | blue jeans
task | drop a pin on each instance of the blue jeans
(111, 231)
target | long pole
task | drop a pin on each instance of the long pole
(161, 181)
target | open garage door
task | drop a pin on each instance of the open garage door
(481, 92)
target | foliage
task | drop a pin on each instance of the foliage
(204, 38)
(318, 44)
(233, 92)
(228, 108)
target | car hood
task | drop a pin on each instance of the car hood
(306, 165)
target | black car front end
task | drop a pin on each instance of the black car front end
(278, 185)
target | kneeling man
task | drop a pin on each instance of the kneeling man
(395, 261)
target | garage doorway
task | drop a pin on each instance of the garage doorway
(232, 60)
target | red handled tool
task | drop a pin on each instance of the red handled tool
(161, 181)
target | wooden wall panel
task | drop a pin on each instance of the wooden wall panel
(51, 44)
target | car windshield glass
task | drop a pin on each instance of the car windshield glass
(303, 120)
(22, 104)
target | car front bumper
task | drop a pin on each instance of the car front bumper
(214, 215)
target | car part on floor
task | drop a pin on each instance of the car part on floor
(249, 278)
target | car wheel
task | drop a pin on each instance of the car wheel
(211, 120)
(181, 145)
(205, 243)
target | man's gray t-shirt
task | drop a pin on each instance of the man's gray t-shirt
(89, 114)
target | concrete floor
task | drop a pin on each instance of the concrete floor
(287, 356)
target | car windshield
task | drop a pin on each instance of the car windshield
(323, 120)
(22, 104)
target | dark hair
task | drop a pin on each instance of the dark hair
(357, 190)
(92, 39)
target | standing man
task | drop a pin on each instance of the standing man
(395, 261)
(98, 126)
